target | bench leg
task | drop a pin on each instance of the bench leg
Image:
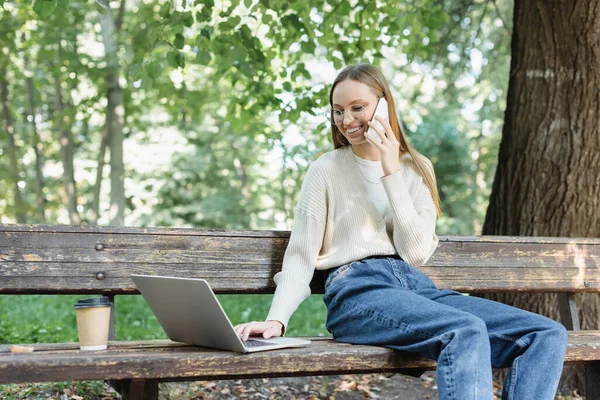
(592, 381)
(136, 389)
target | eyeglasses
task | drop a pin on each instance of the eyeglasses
(357, 111)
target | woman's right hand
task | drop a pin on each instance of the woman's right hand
(267, 329)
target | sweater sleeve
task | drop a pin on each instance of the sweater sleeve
(306, 240)
(414, 217)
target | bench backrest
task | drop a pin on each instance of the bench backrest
(69, 259)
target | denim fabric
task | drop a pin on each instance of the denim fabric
(384, 301)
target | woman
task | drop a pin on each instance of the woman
(366, 214)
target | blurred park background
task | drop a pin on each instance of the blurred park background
(207, 113)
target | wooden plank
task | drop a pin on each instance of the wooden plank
(107, 286)
(238, 282)
(124, 230)
(58, 259)
(34, 246)
(44, 277)
(166, 360)
(322, 357)
(98, 242)
(238, 256)
(20, 228)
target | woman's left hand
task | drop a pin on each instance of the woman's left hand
(389, 146)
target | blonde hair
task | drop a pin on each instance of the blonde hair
(372, 77)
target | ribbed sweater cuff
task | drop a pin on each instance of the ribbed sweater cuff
(288, 296)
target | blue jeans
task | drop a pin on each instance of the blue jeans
(384, 301)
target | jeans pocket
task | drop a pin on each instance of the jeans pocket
(336, 274)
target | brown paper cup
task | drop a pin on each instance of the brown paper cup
(93, 323)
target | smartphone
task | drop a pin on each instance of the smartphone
(381, 111)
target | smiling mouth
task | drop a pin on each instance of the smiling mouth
(353, 130)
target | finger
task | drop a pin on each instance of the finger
(272, 331)
(238, 328)
(250, 329)
(373, 141)
(385, 128)
(246, 332)
(373, 137)
(388, 128)
(378, 129)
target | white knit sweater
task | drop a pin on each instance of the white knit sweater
(336, 223)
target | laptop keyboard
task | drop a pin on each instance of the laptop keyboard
(256, 343)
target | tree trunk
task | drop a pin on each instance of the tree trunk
(12, 151)
(99, 172)
(66, 145)
(114, 113)
(37, 148)
(547, 181)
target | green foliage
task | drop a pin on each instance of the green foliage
(233, 95)
(44, 8)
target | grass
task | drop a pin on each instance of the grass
(51, 319)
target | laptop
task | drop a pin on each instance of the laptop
(189, 312)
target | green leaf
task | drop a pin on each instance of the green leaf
(337, 63)
(287, 86)
(248, 70)
(44, 8)
(248, 3)
(246, 35)
(165, 10)
(294, 20)
(229, 24)
(179, 41)
(153, 70)
(344, 8)
(176, 28)
(205, 33)
(172, 59)
(188, 19)
(239, 54)
(180, 59)
(305, 72)
(308, 47)
(202, 43)
(175, 59)
(203, 57)
(204, 15)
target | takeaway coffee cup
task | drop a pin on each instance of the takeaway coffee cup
(93, 320)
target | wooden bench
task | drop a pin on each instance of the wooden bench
(36, 259)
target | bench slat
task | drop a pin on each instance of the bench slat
(170, 360)
(62, 259)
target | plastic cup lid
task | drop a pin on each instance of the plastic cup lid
(93, 302)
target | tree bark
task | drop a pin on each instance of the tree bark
(115, 111)
(12, 152)
(99, 172)
(547, 182)
(66, 145)
(37, 148)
